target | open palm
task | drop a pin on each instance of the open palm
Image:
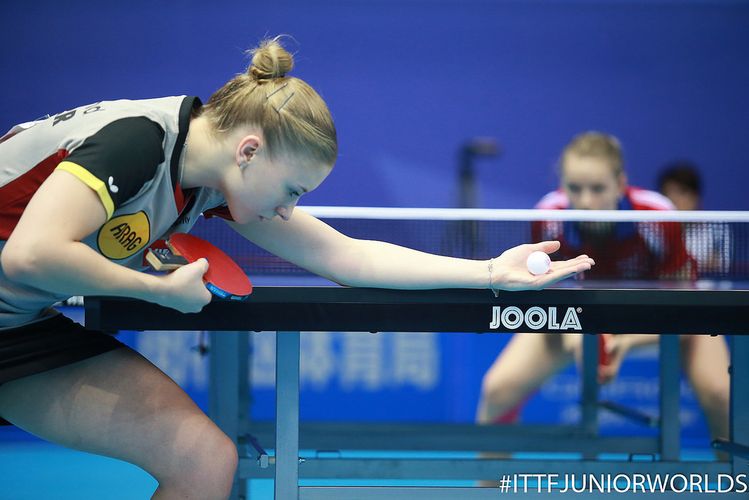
(510, 271)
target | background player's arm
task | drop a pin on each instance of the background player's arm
(676, 263)
(313, 245)
(45, 251)
(617, 347)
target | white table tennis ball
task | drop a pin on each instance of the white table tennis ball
(538, 263)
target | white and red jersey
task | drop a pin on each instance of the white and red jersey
(129, 153)
(634, 199)
(622, 250)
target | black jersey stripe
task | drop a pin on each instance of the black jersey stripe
(124, 155)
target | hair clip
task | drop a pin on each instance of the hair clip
(268, 96)
(278, 110)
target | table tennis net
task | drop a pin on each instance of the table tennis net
(626, 245)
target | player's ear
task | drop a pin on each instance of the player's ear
(247, 148)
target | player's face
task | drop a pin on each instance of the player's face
(682, 197)
(591, 184)
(272, 188)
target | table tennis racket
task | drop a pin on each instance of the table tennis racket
(603, 354)
(224, 278)
(604, 358)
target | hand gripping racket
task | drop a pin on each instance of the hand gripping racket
(224, 278)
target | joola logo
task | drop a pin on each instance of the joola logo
(535, 318)
(123, 236)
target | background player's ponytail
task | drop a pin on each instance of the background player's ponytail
(294, 118)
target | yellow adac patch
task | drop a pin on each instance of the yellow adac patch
(124, 236)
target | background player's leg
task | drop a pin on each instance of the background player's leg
(119, 405)
(706, 362)
(522, 366)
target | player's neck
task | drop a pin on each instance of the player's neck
(205, 156)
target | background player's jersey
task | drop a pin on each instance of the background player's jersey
(130, 154)
(622, 250)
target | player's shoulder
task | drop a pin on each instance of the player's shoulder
(645, 199)
(554, 200)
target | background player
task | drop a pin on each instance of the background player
(592, 177)
(680, 182)
(709, 242)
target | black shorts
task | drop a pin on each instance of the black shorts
(47, 344)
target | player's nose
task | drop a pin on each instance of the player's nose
(585, 201)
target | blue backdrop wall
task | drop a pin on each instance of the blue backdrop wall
(409, 81)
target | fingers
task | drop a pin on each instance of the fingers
(561, 272)
(201, 265)
(552, 246)
(184, 289)
(579, 258)
(573, 266)
(522, 279)
(546, 246)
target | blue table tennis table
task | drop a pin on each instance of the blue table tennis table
(290, 310)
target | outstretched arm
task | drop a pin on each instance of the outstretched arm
(310, 243)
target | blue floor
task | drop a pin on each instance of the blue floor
(32, 470)
(37, 470)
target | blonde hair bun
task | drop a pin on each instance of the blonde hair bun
(294, 119)
(270, 60)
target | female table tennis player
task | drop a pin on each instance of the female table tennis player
(593, 178)
(84, 193)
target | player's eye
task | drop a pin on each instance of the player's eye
(598, 188)
(574, 188)
(294, 194)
